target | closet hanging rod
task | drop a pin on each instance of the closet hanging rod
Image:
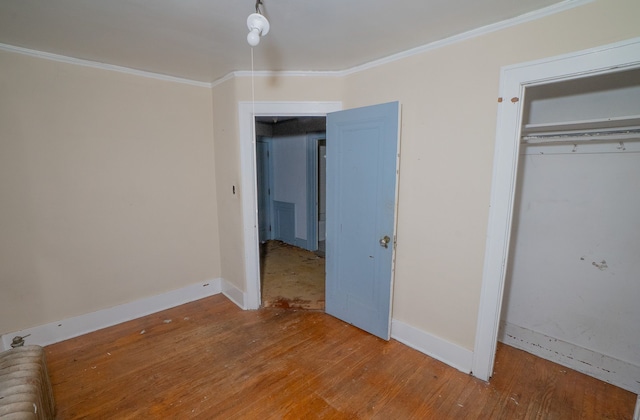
(605, 124)
(595, 136)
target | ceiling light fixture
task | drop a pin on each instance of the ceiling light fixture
(258, 25)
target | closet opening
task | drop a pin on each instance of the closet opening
(571, 286)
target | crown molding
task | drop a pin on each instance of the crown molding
(221, 80)
(301, 73)
(102, 66)
(474, 33)
(527, 17)
(267, 73)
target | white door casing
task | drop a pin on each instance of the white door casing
(248, 185)
(513, 81)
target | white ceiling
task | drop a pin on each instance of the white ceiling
(204, 40)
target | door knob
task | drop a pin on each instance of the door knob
(384, 241)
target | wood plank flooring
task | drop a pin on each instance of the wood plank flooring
(291, 277)
(209, 359)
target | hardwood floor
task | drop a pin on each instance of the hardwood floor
(209, 359)
(291, 277)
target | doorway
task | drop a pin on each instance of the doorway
(289, 188)
(380, 122)
(251, 299)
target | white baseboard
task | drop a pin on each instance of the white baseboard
(234, 294)
(600, 366)
(301, 243)
(442, 350)
(636, 412)
(55, 332)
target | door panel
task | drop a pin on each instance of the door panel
(322, 190)
(362, 154)
(284, 222)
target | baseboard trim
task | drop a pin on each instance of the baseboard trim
(55, 332)
(234, 294)
(600, 366)
(436, 347)
(302, 243)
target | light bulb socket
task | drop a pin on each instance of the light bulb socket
(259, 22)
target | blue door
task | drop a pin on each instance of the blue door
(362, 157)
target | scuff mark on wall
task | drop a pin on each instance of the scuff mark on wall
(601, 266)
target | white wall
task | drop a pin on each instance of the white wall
(289, 160)
(107, 189)
(575, 213)
(574, 264)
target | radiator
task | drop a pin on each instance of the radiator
(25, 388)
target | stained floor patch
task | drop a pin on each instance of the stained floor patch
(292, 278)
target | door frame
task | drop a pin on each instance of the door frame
(247, 111)
(513, 81)
(269, 207)
(312, 189)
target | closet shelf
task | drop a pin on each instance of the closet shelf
(594, 124)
